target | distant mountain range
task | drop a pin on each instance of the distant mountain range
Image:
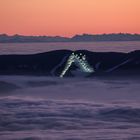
(4, 38)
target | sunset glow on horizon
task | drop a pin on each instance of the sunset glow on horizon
(69, 17)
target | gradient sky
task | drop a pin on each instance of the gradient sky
(69, 17)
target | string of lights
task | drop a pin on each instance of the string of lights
(80, 61)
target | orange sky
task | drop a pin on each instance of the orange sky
(69, 17)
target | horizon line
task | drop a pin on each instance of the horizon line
(71, 35)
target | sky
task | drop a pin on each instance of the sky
(69, 17)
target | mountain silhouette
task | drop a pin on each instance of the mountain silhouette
(77, 38)
(53, 63)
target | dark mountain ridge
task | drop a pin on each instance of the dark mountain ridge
(53, 63)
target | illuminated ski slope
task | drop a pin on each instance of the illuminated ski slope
(80, 61)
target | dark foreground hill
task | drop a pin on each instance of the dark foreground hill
(54, 62)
